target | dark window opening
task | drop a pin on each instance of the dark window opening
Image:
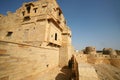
(55, 36)
(23, 13)
(59, 13)
(9, 34)
(47, 65)
(35, 10)
(44, 6)
(28, 9)
(27, 18)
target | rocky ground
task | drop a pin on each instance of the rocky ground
(98, 72)
(107, 72)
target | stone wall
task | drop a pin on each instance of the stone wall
(81, 57)
(33, 39)
(87, 72)
(18, 61)
(115, 61)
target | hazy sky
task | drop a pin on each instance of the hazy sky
(93, 22)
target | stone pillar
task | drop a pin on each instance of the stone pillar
(65, 49)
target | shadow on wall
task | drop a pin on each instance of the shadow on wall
(65, 74)
(69, 72)
(73, 65)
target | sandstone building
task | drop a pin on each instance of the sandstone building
(36, 40)
(33, 39)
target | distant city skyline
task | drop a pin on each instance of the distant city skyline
(92, 22)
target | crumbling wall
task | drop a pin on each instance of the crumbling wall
(90, 50)
(109, 51)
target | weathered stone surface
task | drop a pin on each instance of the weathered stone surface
(103, 66)
(25, 61)
(107, 72)
(90, 50)
(109, 51)
(33, 39)
(36, 39)
(87, 72)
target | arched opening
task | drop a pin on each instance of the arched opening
(27, 18)
(23, 13)
(28, 9)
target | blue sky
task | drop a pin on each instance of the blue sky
(93, 22)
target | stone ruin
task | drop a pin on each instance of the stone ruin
(109, 51)
(105, 51)
(90, 50)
